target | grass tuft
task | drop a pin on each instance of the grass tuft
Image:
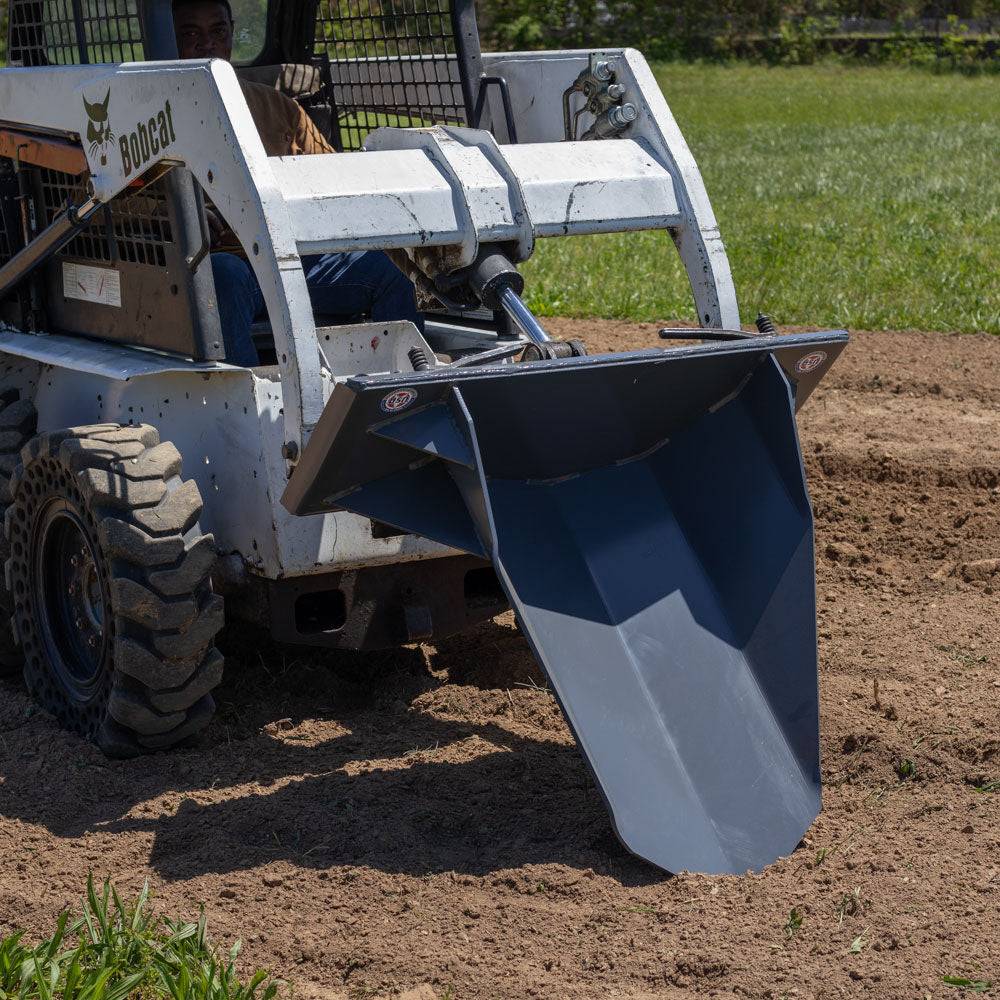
(972, 985)
(114, 951)
(793, 923)
(859, 944)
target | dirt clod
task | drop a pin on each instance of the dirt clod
(843, 552)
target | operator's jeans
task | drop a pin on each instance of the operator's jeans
(342, 283)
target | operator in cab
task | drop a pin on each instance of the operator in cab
(342, 283)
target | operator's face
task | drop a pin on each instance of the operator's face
(203, 30)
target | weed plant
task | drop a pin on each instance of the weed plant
(860, 197)
(114, 951)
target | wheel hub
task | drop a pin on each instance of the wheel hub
(72, 599)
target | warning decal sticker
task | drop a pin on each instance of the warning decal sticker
(398, 400)
(92, 284)
(810, 362)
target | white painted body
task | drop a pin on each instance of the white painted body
(444, 188)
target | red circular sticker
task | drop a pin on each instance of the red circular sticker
(398, 400)
(810, 362)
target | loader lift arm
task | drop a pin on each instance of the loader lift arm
(438, 193)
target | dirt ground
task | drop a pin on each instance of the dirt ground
(420, 824)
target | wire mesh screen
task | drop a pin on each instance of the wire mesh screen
(72, 32)
(135, 229)
(392, 62)
(137, 250)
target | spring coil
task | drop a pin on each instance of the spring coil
(764, 324)
(418, 359)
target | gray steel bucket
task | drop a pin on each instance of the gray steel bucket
(647, 515)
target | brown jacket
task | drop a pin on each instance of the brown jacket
(284, 128)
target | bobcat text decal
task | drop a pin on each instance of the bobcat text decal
(146, 140)
(99, 133)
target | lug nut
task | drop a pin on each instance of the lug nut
(74, 561)
(94, 640)
(73, 590)
(604, 69)
(625, 115)
(80, 624)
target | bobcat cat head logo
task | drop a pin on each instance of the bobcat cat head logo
(98, 130)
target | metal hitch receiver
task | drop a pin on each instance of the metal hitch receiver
(648, 518)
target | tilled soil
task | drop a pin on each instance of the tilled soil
(420, 823)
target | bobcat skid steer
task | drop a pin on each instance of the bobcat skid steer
(644, 513)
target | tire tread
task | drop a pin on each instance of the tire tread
(163, 662)
(18, 422)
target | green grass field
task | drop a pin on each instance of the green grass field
(846, 197)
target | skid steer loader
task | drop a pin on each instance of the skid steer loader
(644, 513)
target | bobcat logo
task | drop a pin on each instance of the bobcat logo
(99, 133)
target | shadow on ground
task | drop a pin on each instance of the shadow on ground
(324, 760)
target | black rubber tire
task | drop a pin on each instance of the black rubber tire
(18, 421)
(110, 577)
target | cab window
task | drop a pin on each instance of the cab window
(251, 26)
